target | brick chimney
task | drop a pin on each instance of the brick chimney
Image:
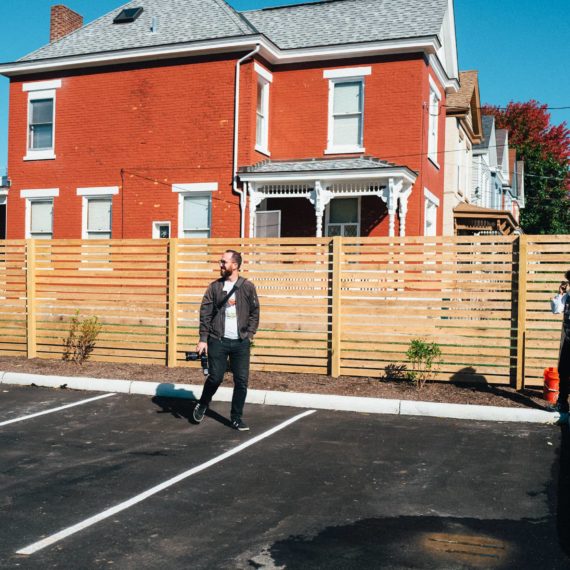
(63, 22)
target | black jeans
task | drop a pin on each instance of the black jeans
(564, 373)
(218, 353)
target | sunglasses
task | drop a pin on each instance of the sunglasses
(223, 262)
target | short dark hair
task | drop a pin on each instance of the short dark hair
(236, 256)
(567, 275)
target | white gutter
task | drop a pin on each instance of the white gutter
(242, 194)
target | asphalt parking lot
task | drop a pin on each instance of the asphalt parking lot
(129, 482)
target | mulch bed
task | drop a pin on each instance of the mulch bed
(481, 394)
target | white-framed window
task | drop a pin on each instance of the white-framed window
(431, 204)
(268, 223)
(264, 79)
(343, 217)
(433, 122)
(346, 109)
(39, 212)
(160, 230)
(97, 211)
(41, 119)
(195, 208)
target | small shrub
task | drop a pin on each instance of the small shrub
(424, 358)
(80, 341)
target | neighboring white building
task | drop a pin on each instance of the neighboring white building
(463, 130)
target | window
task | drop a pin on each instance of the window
(40, 219)
(194, 208)
(346, 109)
(160, 230)
(196, 214)
(433, 123)
(268, 223)
(39, 212)
(41, 119)
(98, 212)
(346, 119)
(431, 204)
(41, 124)
(343, 217)
(264, 78)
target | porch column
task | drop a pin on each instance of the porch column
(404, 197)
(320, 197)
(394, 189)
(255, 198)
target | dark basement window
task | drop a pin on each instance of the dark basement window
(128, 15)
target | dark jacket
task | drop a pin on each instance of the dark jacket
(212, 321)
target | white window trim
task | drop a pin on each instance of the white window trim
(196, 187)
(155, 230)
(263, 72)
(327, 213)
(40, 193)
(353, 72)
(430, 197)
(98, 191)
(263, 147)
(39, 198)
(84, 203)
(181, 196)
(41, 90)
(434, 98)
(346, 149)
(41, 85)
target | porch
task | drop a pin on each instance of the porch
(347, 197)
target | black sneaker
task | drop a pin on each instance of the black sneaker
(198, 413)
(240, 425)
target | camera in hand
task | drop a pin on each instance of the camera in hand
(202, 356)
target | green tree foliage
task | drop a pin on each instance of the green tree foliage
(545, 149)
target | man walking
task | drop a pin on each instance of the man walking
(561, 304)
(229, 317)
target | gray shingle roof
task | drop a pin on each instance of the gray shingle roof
(348, 21)
(501, 138)
(488, 122)
(178, 21)
(317, 165)
(329, 22)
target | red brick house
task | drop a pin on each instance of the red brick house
(128, 127)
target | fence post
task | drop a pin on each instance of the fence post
(336, 306)
(31, 298)
(172, 301)
(521, 313)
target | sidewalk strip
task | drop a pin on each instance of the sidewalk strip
(32, 548)
(51, 411)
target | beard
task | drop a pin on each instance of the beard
(225, 273)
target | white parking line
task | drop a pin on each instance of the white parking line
(52, 410)
(154, 490)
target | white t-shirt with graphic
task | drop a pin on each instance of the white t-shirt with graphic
(231, 327)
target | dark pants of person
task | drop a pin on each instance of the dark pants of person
(564, 373)
(218, 353)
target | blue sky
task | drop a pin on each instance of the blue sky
(520, 47)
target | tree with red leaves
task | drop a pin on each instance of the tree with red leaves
(545, 149)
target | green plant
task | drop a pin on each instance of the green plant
(80, 340)
(424, 358)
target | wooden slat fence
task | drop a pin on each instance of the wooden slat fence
(547, 261)
(13, 336)
(342, 306)
(457, 292)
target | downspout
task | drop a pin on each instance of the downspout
(242, 194)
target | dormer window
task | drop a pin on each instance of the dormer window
(128, 15)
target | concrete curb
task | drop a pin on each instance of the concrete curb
(292, 399)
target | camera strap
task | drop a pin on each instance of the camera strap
(237, 285)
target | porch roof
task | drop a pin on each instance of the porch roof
(325, 168)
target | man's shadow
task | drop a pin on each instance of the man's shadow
(180, 403)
